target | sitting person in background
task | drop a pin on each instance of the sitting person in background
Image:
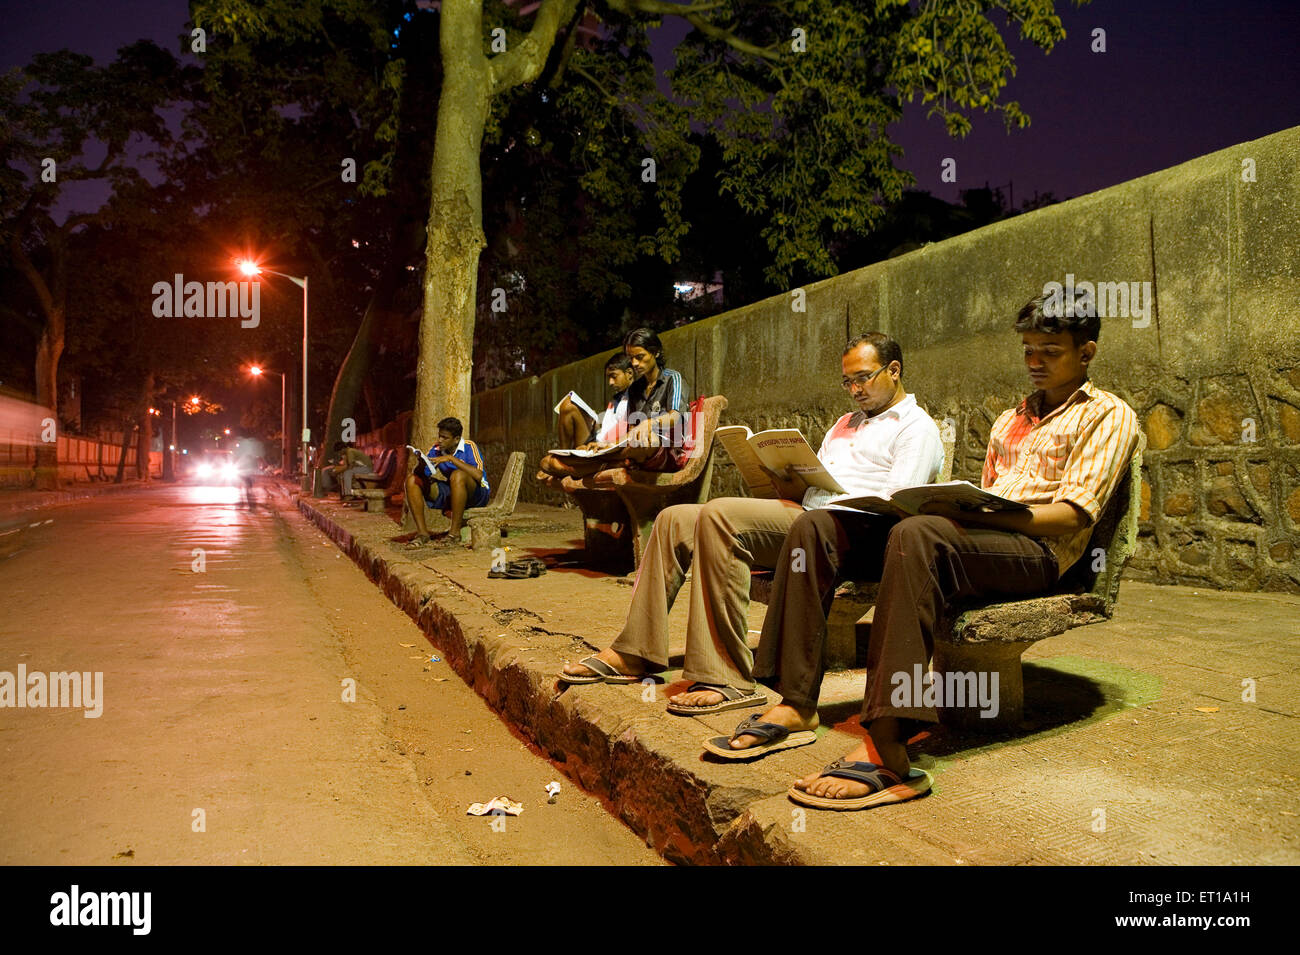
(457, 482)
(653, 419)
(578, 425)
(351, 462)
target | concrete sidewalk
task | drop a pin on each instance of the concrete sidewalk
(21, 500)
(1138, 746)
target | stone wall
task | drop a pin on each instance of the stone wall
(1213, 370)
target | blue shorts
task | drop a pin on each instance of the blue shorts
(442, 496)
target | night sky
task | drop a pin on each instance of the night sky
(1180, 78)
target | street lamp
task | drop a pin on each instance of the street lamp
(257, 371)
(252, 269)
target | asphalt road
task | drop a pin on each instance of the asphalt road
(228, 638)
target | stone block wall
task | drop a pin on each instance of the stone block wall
(1213, 371)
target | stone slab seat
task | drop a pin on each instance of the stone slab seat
(991, 636)
(485, 522)
(841, 649)
(619, 505)
(390, 478)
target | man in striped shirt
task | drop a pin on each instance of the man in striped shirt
(1062, 451)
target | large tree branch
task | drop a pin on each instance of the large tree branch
(596, 83)
(708, 28)
(692, 14)
(81, 173)
(661, 8)
(524, 63)
(33, 275)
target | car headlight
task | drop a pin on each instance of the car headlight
(204, 469)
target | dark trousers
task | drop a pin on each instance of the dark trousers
(921, 562)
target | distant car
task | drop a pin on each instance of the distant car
(216, 467)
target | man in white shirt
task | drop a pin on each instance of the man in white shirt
(887, 444)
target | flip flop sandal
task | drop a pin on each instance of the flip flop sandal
(526, 567)
(733, 699)
(520, 569)
(416, 543)
(774, 738)
(886, 785)
(604, 673)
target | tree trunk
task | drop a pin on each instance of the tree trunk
(356, 366)
(455, 232)
(48, 351)
(168, 471)
(145, 437)
(128, 430)
(374, 408)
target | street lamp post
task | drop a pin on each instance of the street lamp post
(251, 269)
(284, 422)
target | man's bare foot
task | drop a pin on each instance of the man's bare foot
(782, 715)
(627, 665)
(698, 698)
(893, 757)
(695, 698)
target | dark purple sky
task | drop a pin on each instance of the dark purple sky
(1180, 78)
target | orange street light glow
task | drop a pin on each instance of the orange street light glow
(255, 370)
(249, 268)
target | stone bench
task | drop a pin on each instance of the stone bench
(981, 636)
(485, 522)
(852, 600)
(619, 505)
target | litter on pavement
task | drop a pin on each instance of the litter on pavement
(499, 805)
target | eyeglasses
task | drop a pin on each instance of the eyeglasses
(859, 381)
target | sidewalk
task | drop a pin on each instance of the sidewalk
(20, 500)
(1137, 746)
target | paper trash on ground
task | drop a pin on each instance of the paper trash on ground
(499, 805)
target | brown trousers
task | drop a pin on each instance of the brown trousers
(722, 540)
(921, 562)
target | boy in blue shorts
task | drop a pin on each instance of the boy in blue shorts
(458, 481)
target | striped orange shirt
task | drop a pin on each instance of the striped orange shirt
(1076, 453)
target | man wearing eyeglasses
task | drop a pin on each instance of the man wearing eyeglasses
(888, 443)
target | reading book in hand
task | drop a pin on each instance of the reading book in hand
(428, 465)
(613, 451)
(777, 449)
(909, 500)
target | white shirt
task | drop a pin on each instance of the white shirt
(900, 447)
(615, 413)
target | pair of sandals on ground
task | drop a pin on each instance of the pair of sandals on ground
(883, 785)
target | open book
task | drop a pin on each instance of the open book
(577, 400)
(908, 500)
(776, 449)
(424, 459)
(613, 451)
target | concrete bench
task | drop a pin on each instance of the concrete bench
(485, 522)
(851, 599)
(981, 636)
(374, 488)
(992, 636)
(619, 505)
